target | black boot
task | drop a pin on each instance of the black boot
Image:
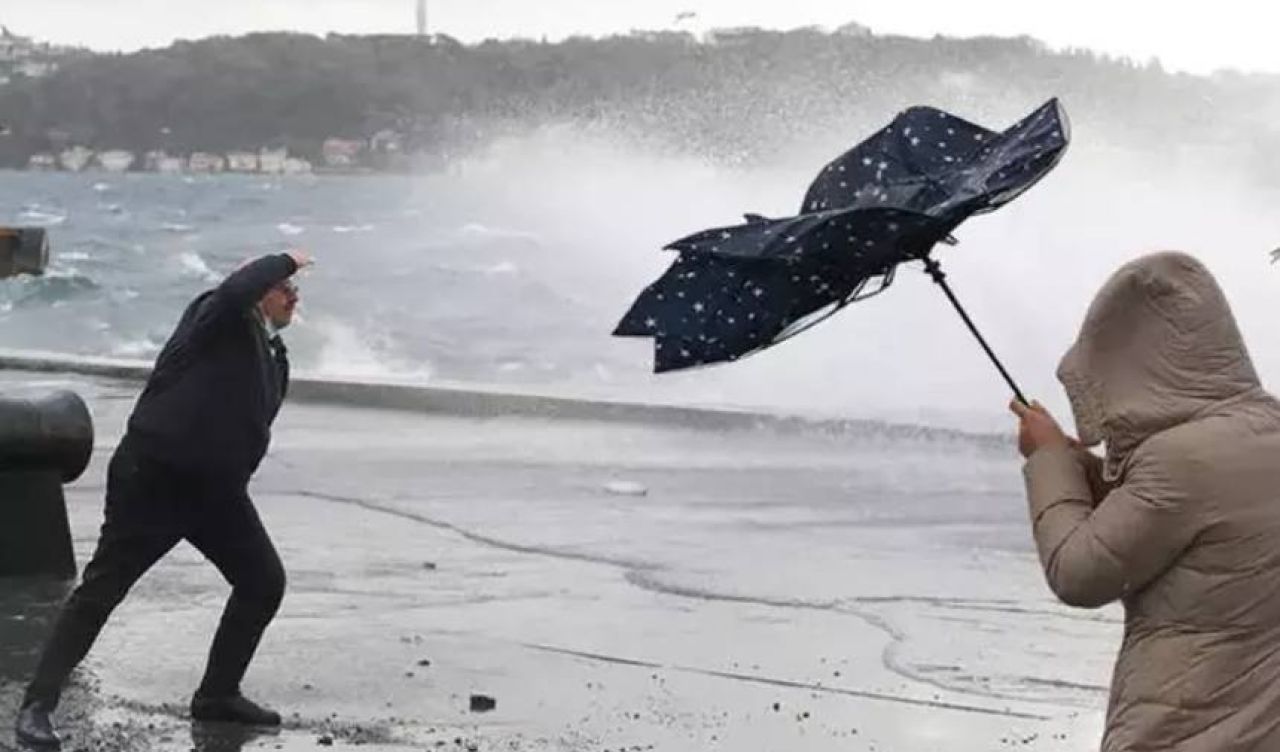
(35, 728)
(233, 709)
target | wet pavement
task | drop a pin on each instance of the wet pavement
(610, 586)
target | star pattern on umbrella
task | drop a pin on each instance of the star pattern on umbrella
(735, 290)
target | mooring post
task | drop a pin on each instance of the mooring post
(45, 441)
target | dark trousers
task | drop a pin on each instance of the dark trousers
(150, 508)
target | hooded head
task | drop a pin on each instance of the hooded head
(1158, 346)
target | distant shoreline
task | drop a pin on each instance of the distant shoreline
(736, 96)
(98, 173)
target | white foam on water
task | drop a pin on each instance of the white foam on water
(605, 206)
(136, 349)
(548, 272)
(348, 352)
(626, 488)
(194, 265)
(504, 267)
(475, 230)
(39, 215)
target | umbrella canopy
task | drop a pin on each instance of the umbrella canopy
(736, 290)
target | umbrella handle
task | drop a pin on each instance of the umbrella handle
(934, 270)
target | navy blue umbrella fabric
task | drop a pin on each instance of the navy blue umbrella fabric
(735, 290)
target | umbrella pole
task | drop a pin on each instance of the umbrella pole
(934, 270)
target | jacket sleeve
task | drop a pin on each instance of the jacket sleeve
(1095, 551)
(1092, 466)
(242, 290)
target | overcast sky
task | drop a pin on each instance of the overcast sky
(1198, 37)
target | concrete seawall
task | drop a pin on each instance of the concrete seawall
(483, 402)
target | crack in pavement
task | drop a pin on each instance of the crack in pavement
(789, 684)
(641, 575)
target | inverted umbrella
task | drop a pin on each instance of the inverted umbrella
(736, 290)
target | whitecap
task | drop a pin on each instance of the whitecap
(480, 231)
(135, 349)
(60, 272)
(194, 265)
(626, 488)
(38, 216)
(505, 267)
(286, 228)
(351, 352)
(344, 229)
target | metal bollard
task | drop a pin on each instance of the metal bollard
(23, 250)
(44, 442)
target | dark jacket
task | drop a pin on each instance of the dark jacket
(218, 382)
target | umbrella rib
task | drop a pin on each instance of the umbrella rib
(853, 297)
(934, 270)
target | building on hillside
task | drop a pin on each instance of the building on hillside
(168, 165)
(297, 166)
(116, 160)
(341, 153)
(737, 35)
(386, 142)
(242, 161)
(151, 160)
(75, 159)
(43, 162)
(206, 163)
(659, 37)
(272, 161)
(14, 48)
(856, 30)
(22, 57)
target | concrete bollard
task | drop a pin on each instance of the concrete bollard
(44, 442)
(23, 250)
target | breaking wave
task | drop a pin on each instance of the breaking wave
(469, 275)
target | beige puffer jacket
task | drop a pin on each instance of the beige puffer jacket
(1180, 521)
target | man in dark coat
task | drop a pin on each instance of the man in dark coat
(181, 472)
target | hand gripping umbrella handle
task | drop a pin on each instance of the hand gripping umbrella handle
(934, 270)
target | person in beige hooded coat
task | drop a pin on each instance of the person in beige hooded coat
(1180, 520)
